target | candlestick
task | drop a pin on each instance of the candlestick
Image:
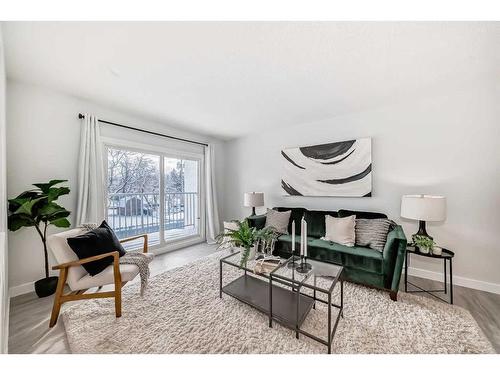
(303, 267)
(305, 239)
(292, 263)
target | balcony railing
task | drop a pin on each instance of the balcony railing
(131, 214)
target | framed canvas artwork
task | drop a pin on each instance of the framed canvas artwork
(338, 169)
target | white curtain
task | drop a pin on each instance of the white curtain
(213, 225)
(90, 208)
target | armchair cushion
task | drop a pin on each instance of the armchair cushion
(95, 242)
(127, 271)
(59, 247)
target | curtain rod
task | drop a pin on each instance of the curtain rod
(80, 116)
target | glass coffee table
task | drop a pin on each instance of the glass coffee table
(286, 295)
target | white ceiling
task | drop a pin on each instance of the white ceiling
(229, 79)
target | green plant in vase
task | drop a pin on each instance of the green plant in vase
(38, 208)
(245, 237)
(424, 243)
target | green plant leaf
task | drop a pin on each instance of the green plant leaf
(54, 193)
(61, 223)
(15, 222)
(27, 207)
(44, 187)
(50, 209)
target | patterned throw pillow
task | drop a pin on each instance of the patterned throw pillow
(278, 220)
(373, 232)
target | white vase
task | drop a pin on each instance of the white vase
(251, 254)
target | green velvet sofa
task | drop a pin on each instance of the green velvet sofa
(362, 265)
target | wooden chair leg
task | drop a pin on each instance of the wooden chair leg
(118, 301)
(57, 298)
(118, 289)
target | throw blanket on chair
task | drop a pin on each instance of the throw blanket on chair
(142, 261)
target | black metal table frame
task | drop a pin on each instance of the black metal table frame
(445, 282)
(296, 287)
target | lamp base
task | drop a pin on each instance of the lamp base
(253, 211)
(421, 230)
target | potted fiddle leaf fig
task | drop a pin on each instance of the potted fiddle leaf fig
(38, 208)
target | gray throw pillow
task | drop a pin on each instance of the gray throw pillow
(373, 232)
(278, 220)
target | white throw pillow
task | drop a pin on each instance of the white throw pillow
(341, 230)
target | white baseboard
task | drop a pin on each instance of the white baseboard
(21, 289)
(457, 280)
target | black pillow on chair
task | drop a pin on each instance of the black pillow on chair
(100, 240)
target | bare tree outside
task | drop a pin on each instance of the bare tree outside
(134, 196)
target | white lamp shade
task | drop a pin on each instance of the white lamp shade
(254, 199)
(423, 207)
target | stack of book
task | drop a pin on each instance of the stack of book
(267, 264)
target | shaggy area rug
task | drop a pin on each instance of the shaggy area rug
(181, 312)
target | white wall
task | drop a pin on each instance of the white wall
(43, 133)
(447, 142)
(4, 297)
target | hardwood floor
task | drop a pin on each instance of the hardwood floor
(29, 315)
(483, 306)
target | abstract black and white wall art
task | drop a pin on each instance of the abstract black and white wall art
(340, 169)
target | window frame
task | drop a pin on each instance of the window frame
(172, 152)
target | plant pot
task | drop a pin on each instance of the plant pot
(436, 250)
(423, 250)
(251, 254)
(46, 287)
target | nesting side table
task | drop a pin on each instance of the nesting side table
(446, 256)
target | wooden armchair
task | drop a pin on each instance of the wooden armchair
(72, 273)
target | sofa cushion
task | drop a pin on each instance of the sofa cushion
(316, 222)
(356, 257)
(362, 214)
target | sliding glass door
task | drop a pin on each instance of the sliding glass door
(155, 193)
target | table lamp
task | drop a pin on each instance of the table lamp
(253, 200)
(423, 208)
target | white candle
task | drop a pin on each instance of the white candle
(293, 236)
(302, 221)
(305, 238)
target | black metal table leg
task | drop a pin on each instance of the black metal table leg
(406, 271)
(451, 282)
(270, 301)
(445, 278)
(314, 292)
(297, 314)
(330, 322)
(220, 280)
(342, 298)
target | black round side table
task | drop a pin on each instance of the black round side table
(446, 255)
